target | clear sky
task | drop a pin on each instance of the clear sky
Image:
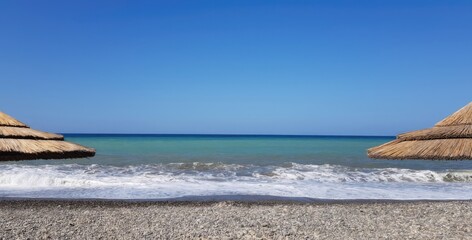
(258, 67)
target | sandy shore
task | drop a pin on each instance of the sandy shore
(225, 220)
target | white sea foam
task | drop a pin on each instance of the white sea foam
(206, 179)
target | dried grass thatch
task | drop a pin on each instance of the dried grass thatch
(445, 149)
(19, 142)
(450, 139)
(27, 133)
(462, 117)
(6, 120)
(23, 149)
(460, 131)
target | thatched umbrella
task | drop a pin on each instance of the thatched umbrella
(449, 139)
(19, 142)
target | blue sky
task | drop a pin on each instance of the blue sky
(258, 67)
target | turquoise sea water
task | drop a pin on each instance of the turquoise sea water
(172, 166)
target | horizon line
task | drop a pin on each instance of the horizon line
(230, 134)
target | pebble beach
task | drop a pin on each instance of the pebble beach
(85, 219)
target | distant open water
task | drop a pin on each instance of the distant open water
(174, 166)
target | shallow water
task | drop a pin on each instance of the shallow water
(172, 166)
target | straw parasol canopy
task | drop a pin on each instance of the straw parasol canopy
(449, 139)
(19, 142)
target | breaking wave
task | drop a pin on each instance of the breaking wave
(160, 181)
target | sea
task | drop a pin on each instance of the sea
(196, 167)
